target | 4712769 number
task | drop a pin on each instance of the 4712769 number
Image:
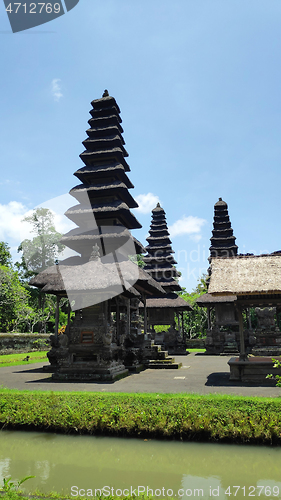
(252, 491)
(33, 8)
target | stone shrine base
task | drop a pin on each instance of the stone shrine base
(254, 369)
(89, 374)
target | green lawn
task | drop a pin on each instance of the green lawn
(18, 359)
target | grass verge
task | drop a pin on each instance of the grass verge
(196, 350)
(164, 416)
(18, 359)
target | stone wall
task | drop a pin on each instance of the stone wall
(195, 344)
(23, 342)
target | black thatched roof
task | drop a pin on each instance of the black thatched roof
(107, 210)
(100, 171)
(76, 275)
(208, 299)
(116, 188)
(170, 301)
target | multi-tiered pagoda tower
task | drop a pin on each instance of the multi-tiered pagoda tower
(103, 213)
(222, 241)
(160, 264)
(222, 331)
(102, 283)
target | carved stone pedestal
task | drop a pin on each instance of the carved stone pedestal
(88, 352)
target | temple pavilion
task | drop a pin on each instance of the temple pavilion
(103, 285)
(160, 264)
(240, 282)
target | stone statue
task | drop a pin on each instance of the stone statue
(266, 317)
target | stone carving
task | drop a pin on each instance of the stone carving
(266, 317)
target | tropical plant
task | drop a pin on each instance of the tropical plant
(277, 378)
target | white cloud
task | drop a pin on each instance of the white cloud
(187, 225)
(13, 230)
(56, 89)
(146, 202)
(11, 225)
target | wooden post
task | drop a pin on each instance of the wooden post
(209, 317)
(128, 317)
(117, 321)
(144, 315)
(179, 325)
(249, 318)
(182, 327)
(243, 355)
(68, 318)
(57, 319)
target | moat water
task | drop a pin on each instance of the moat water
(69, 464)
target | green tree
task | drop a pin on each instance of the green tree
(195, 321)
(42, 251)
(14, 308)
(5, 255)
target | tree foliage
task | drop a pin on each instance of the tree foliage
(14, 308)
(42, 251)
(195, 321)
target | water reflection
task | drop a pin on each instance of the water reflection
(198, 470)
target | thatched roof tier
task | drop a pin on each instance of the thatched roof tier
(101, 112)
(157, 233)
(159, 239)
(90, 157)
(159, 259)
(106, 122)
(159, 274)
(105, 131)
(105, 102)
(109, 210)
(222, 240)
(94, 275)
(105, 143)
(101, 171)
(95, 191)
(83, 242)
(170, 301)
(246, 275)
(208, 299)
(155, 248)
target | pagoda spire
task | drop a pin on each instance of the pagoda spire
(222, 241)
(103, 214)
(159, 259)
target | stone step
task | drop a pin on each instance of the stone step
(162, 354)
(165, 366)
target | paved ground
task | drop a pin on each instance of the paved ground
(199, 374)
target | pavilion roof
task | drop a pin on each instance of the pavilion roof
(76, 275)
(170, 301)
(246, 275)
(207, 298)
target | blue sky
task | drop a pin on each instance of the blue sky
(198, 85)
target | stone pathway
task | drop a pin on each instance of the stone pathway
(199, 374)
